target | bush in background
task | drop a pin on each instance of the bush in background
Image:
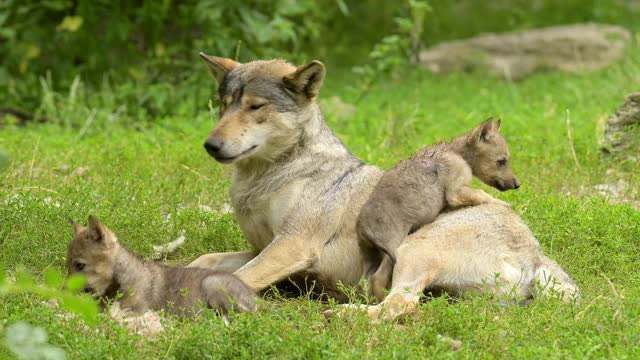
(139, 58)
(154, 42)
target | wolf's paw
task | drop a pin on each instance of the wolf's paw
(393, 307)
(500, 202)
(328, 314)
(374, 312)
(341, 310)
(381, 312)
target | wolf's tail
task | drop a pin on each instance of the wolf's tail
(552, 280)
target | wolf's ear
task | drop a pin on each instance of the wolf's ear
(76, 227)
(496, 126)
(219, 66)
(307, 79)
(97, 230)
(484, 131)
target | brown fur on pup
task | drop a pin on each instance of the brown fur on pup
(110, 269)
(417, 189)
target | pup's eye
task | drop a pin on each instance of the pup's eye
(79, 266)
(256, 106)
(502, 162)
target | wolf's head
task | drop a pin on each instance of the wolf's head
(92, 252)
(263, 107)
(489, 157)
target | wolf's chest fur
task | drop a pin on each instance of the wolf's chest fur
(261, 205)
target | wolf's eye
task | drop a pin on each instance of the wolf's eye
(79, 266)
(502, 162)
(256, 106)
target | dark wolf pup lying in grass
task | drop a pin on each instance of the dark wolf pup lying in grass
(416, 190)
(112, 271)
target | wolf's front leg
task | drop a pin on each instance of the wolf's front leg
(228, 262)
(284, 256)
(466, 196)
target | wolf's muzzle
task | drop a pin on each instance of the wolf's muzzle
(213, 146)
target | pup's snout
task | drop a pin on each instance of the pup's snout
(213, 146)
(89, 290)
(516, 183)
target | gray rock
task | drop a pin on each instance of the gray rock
(622, 131)
(515, 55)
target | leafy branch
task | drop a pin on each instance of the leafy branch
(54, 287)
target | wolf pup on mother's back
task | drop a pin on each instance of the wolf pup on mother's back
(110, 269)
(417, 189)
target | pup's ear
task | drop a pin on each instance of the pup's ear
(76, 227)
(97, 230)
(218, 66)
(483, 132)
(307, 79)
(496, 126)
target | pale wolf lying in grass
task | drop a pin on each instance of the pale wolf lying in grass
(297, 191)
(481, 249)
(112, 272)
(416, 190)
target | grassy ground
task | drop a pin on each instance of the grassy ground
(150, 183)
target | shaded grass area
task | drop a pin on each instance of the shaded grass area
(149, 183)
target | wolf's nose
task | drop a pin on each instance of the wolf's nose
(213, 146)
(516, 184)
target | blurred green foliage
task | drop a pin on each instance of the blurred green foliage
(395, 50)
(54, 287)
(145, 52)
(4, 159)
(370, 20)
(148, 40)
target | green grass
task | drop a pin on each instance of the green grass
(150, 182)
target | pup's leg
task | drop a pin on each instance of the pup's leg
(378, 225)
(228, 262)
(386, 236)
(381, 279)
(466, 196)
(285, 256)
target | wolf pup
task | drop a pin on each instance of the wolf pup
(417, 189)
(110, 269)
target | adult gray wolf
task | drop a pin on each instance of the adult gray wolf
(112, 272)
(295, 188)
(482, 249)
